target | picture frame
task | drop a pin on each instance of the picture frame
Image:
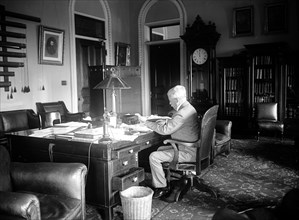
(51, 45)
(122, 54)
(243, 21)
(276, 18)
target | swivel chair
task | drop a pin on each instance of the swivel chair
(267, 119)
(192, 170)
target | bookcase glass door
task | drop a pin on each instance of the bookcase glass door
(263, 79)
(290, 72)
(234, 86)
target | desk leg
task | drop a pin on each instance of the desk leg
(106, 213)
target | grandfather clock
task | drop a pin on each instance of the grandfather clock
(201, 40)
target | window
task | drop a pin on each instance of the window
(165, 32)
(89, 27)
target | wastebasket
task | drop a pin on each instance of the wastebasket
(137, 203)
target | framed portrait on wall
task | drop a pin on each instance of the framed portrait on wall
(276, 18)
(243, 21)
(51, 45)
(122, 54)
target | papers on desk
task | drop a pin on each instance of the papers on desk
(136, 127)
(72, 124)
(42, 133)
(91, 133)
(59, 129)
(78, 131)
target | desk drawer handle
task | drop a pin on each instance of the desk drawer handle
(131, 151)
(125, 163)
(134, 180)
(147, 143)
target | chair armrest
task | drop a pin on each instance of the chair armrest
(33, 119)
(21, 205)
(224, 127)
(64, 179)
(75, 116)
(174, 144)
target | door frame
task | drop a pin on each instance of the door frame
(143, 45)
(73, 63)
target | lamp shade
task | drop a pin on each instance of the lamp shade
(112, 82)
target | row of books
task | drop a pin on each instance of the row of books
(261, 88)
(234, 111)
(263, 60)
(233, 97)
(233, 84)
(292, 111)
(263, 74)
(233, 71)
(263, 98)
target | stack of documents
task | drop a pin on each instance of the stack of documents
(91, 133)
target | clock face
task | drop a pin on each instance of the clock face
(200, 56)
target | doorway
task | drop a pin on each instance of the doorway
(89, 56)
(164, 74)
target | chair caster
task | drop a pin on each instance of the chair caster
(179, 189)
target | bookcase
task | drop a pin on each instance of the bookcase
(261, 73)
(265, 62)
(233, 75)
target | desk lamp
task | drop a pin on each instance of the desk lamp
(111, 82)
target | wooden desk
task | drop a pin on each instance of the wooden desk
(112, 166)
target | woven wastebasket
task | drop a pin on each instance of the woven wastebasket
(137, 203)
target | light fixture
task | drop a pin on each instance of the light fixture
(112, 82)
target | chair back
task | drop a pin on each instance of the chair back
(207, 133)
(49, 119)
(267, 111)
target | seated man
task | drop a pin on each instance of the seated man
(182, 126)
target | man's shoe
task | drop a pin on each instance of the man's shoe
(159, 192)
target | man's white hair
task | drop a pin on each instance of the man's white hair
(178, 92)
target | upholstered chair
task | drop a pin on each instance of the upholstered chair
(49, 119)
(41, 190)
(223, 138)
(59, 106)
(267, 119)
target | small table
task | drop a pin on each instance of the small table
(112, 166)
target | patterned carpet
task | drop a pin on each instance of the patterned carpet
(255, 174)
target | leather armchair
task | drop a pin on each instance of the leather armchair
(60, 107)
(222, 138)
(41, 190)
(267, 119)
(17, 120)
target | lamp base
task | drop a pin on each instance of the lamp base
(104, 138)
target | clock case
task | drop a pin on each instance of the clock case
(201, 35)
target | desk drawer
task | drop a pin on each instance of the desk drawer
(123, 164)
(125, 152)
(132, 178)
